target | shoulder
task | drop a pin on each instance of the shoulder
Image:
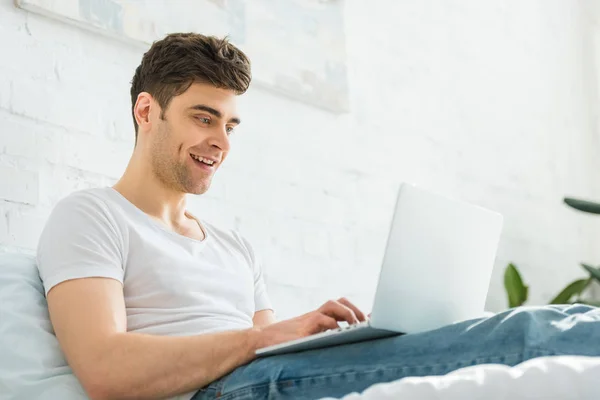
(95, 202)
(81, 238)
(83, 211)
(95, 198)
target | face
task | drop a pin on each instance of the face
(190, 142)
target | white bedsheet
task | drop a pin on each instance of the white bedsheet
(548, 378)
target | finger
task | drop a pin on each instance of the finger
(359, 314)
(339, 311)
(322, 322)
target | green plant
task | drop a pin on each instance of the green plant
(515, 288)
(517, 292)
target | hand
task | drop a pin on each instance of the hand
(324, 318)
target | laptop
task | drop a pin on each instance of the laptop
(436, 271)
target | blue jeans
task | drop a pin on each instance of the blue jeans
(509, 338)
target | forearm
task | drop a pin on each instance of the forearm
(131, 365)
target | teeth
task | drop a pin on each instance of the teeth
(204, 160)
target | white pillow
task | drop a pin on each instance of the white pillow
(32, 366)
(543, 378)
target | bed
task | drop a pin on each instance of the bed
(32, 365)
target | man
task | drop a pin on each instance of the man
(149, 302)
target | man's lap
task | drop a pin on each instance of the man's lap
(506, 338)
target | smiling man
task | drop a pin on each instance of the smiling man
(147, 301)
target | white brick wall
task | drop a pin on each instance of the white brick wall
(3, 226)
(493, 102)
(18, 186)
(24, 229)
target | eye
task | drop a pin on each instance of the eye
(204, 120)
(230, 130)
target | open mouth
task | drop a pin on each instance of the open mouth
(203, 162)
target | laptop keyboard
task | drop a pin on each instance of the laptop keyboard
(349, 327)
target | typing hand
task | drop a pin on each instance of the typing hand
(324, 318)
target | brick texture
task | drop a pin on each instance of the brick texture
(484, 101)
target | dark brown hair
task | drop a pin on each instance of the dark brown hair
(173, 63)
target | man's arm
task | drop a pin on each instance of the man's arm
(263, 318)
(90, 323)
(89, 319)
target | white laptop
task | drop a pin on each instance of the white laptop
(436, 271)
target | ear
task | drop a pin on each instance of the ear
(141, 110)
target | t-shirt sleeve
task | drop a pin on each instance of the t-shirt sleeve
(80, 240)
(261, 297)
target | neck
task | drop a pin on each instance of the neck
(142, 188)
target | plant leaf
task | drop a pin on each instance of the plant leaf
(515, 289)
(594, 272)
(573, 289)
(583, 205)
(588, 302)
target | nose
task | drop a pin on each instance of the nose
(220, 139)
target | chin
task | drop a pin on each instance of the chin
(199, 189)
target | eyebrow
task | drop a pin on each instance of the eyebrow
(216, 113)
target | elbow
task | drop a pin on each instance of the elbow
(105, 392)
(100, 391)
(101, 386)
(98, 394)
(103, 377)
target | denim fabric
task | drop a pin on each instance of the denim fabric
(509, 338)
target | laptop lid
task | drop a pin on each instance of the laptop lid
(437, 264)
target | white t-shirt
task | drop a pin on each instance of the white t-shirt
(173, 285)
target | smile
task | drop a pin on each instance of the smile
(202, 159)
